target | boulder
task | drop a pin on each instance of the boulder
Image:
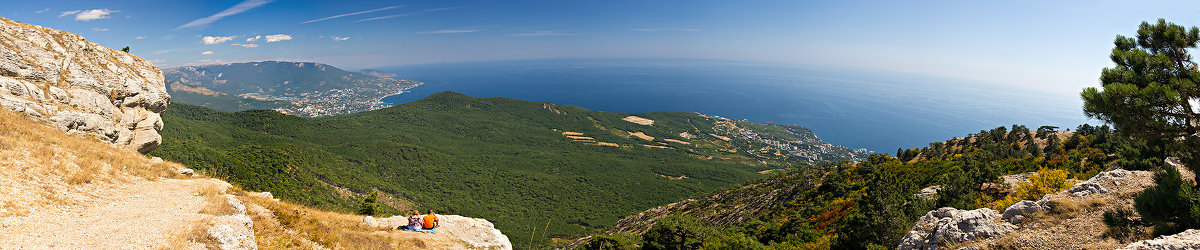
(81, 87)
(1022, 208)
(370, 222)
(929, 192)
(1189, 239)
(947, 226)
(187, 172)
(1086, 188)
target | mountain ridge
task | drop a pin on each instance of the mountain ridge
(307, 89)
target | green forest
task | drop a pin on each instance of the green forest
(502, 159)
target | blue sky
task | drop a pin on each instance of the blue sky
(1057, 46)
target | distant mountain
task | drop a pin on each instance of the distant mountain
(378, 73)
(516, 163)
(300, 88)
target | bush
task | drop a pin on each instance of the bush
(1046, 181)
(1172, 206)
(370, 204)
(677, 232)
(1120, 227)
(620, 241)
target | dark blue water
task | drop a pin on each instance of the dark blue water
(876, 111)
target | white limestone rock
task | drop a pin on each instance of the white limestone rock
(947, 226)
(1189, 239)
(80, 86)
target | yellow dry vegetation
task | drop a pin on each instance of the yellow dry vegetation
(642, 136)
(580, 138)
(606, 144)
(283, 225)
(569, 133)
(638, 120)
(678, 141)
(40, 165)
(1045, 181)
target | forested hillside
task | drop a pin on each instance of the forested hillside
(517, 163)
(874, 203)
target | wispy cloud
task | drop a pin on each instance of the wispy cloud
(88, 15)
(277, 38)
(407, 14)
(43, 10)
(236, 9)
(542, 33)
(255, 38)
(139, 38)
(339, 38)
(206, 53)
(351, 14)
(210, 40)
(247, 45)
(661, 30)
(452, 31)
(100, 29)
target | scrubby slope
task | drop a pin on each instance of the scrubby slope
(873, 203)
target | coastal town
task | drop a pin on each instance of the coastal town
(365, 96)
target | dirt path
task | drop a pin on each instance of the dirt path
(141, 215)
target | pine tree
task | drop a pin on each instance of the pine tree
(1149, 95)
(370, 204)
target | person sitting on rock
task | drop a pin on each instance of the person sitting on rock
(430, 223)
(414, 221)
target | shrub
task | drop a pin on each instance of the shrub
(1120, 227)
(370, 204)
(677, 232)
(1171, 205)
(619, 241)
(1046, 181)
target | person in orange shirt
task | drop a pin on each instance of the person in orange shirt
(431, 223)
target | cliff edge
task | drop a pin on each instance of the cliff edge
(81, 87)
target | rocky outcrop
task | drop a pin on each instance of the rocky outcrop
(1189, 239)
(947, 226)
(234, 231)
(80, 86)
(929, 192)
(478, 233)
(1017, 212)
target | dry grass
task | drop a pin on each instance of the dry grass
(287, 226)
(215, 202)
(197, 233)
(1062, 209)
(41, 165)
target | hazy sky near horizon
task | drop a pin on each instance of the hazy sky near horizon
(1057, 46)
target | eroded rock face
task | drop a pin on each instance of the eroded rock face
(80, 86)
(946, 226)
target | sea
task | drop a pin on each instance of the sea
(879, 111)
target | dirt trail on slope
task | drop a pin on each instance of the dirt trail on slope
(139, 215)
